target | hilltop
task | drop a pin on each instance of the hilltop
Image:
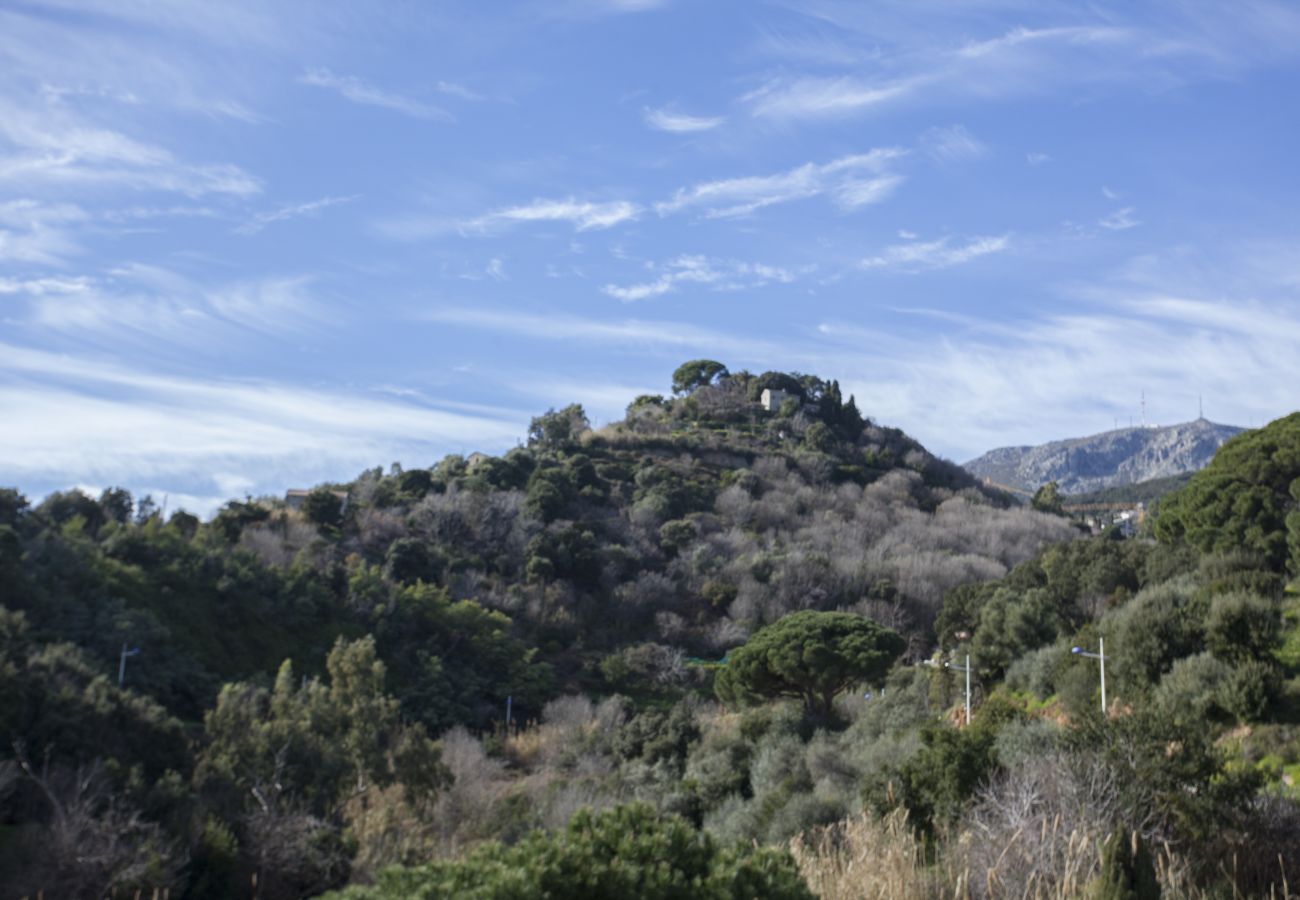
(1112, 458)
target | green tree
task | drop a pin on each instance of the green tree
(323, 507)
(1048, 499)
(1244, 499)
(809, 655)
(622, 853)
(555, 429)
(696, 374)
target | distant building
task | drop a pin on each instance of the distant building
(294, 498)
(475, 458)
(772, 398)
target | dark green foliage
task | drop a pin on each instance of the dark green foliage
(12, 506)
(627, 852)
(1241, 626)
(52, 699)
(1013, 623)
(1127, 870)
(558, 428)
(697, 374)
(935, 783)
(213, 863)
(1144, 638)
(117, 504)
(1051, 595)
(809, 655)
(409, 560)
(62, 507)
(818, 437)
(324, 507)
(1169, 771)
(568, 552)
(658, 736)
(308, 743)
(231, 520)
(1244, 499)
(455, 662)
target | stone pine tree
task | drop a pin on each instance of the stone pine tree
(810, 655)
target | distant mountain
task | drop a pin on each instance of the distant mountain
(1123, 456)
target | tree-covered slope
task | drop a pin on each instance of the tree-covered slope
(1247, 498)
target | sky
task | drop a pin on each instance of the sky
(249, 246)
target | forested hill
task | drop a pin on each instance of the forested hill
(317, 693)
(1120, 457)
(675, 532)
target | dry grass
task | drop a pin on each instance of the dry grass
(865, 858)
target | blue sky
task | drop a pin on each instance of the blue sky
(249, 246)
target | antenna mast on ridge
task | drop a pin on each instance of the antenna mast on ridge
(1144, 409)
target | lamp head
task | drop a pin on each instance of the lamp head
(1076, 649)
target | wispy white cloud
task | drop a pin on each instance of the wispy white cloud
(1120, 219)
(290, 211)
(723, 275)
(37, 287)
(635, 332)
(52, 145)
(36, 232)
(101, 422)
(582, 215)
(842, 178)
(918, 255)
(143, 305)
(817, 97)
(357, 91)
(586, 9)
(984, 386)
(1018, 61)
(1036, 159)
(952, 144)
(680, 123)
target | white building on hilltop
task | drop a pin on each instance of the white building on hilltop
(772, 398)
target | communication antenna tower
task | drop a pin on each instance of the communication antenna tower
(1144, 409)
(1200, 406)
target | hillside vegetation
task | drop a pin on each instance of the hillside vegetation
(709, 623)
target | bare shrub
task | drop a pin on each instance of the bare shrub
(278, 541)
(293, 854)
(377, 528)
(1038, 828)
(93, 842)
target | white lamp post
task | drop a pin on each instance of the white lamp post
(966, 669)
(1101, 658)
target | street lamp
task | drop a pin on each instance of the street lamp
(966, 669)
(1100, 657)
(121, 664)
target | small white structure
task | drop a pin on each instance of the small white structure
(475, 458)
(772, 398)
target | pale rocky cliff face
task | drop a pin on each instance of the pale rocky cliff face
(1124, 456)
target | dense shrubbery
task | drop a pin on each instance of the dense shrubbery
(322, 693)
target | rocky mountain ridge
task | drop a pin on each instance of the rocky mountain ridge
(1122, 456)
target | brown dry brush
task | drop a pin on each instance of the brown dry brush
(869, 858)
